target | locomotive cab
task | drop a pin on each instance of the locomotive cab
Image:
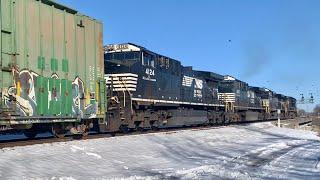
(138, 79)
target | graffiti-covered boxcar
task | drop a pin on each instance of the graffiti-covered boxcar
(52, 67)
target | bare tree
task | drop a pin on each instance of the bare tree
(316, 110)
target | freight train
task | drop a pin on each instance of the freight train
(150, 90)
(56, 76)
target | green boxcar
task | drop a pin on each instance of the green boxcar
(51, 64)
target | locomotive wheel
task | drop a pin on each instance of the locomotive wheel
(124, 129)
(154, 125)
(154, 128)
(237, 118)
(140, 129)
(226, 120)
(30, 134)
(220, 120)
(58, 130)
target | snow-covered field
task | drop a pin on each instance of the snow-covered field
(257, 151)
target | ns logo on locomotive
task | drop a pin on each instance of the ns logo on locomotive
(56, 76)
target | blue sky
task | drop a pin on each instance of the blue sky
(274, 43)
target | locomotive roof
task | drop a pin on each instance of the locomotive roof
(228, 78)
(125, 47)
(261, 89)
(209, 74)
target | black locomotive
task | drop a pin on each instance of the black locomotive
(149, 90)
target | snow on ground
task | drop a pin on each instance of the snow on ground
(254, 151)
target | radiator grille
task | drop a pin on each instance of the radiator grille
(122, 82)
(227, 97)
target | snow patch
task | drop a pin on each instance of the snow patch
(60, 178)
(210, 171)
(264, 151)
(94, 155)
(259, 151)
(76, 148)
(83, 150)
(138, 178)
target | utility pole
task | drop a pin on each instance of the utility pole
(279, 112)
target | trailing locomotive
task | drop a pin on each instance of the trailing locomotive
(149, 90)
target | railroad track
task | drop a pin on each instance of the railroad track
(45, 140)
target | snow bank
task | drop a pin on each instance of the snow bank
(254, 151)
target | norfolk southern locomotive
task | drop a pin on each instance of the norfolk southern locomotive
(149, 90)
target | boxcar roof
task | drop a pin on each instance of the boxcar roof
(59, 6)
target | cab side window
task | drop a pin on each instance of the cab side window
(167, 62)
(161, 61)
(148, 60)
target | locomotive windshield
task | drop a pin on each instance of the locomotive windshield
(120, 56)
